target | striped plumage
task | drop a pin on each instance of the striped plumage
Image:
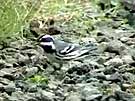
(61, 51)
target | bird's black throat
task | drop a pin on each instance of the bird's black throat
(48, 49)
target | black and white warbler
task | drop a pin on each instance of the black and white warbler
(60, 51)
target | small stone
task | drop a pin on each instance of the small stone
(22, 59)
(17, 96)
(127, 85)
(59, 93)
(124, 39)
(31, 71)
(30, 52)
(2, 99)
(47, 96)
(87, 40)
(127, 59)
(130, 4)
(52, 86)
(114, 62)
(32, 89)
(7, 73)
(123, 96)
(115, 46)
(10, 88)
(2, 88)
(116, 77)
(101, 39)
(8, 65)
(90, 92)
(2, 63)
(73, 97)
(21, 84)
(103, 46)
(4, 81)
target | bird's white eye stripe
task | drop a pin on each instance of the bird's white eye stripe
(48, 44)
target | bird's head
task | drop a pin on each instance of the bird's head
(47, 43)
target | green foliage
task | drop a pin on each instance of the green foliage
(14, 14)
(38, 79)
(84, 17)
(81, 17)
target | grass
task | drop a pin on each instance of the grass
(81, 17)
(38, 79)
(14, 15)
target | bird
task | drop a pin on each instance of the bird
(60, 51)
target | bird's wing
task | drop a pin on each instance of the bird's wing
(69, 51)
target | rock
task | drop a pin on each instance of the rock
(110, 70)
(132, 53)
(3, 64)
(106, 56)
(90, 92)
(127, 86)
(67, 80)
(31, 71)
(16, 44)
(73, 97)
(11, 51)
(109, 98)
(47, 96)
(116, 61)
(18, 95)
(99, 76)
(10, 88)
(80, 69)
(2, 88)
(130, 4)
(22, 85)
(30, 52)
(116, 77)
(21, 44)
(12, 60)
(124, 96)
(7, 73)
(102, 39)
(4, 96)
(103, 46)
(2, 99)
(8, 65)
(59, 93)
(22, 59)
(129, 77)
(52, 85)
(128, 41)
(127, 59)
(87, 40)
(4, 81)
(32, 88)
(124, 39)
(115, 46)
